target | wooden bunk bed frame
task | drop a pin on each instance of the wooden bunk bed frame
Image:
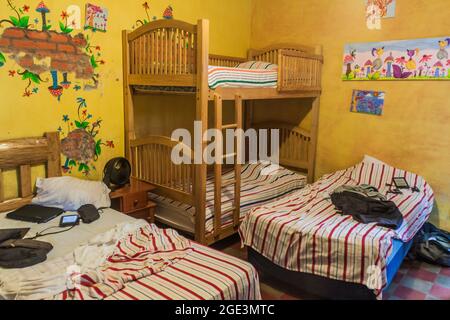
(168, 56)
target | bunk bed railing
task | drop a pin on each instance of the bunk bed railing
(295, 144)
(299, 71)
(163, 53)
(299, 67)
(224, 61)
(151, 162)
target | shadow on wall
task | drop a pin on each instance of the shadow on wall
(439, 218)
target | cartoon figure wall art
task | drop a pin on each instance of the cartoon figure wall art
(48, 55)
(370, 102)
(96, 18)
(421, 59)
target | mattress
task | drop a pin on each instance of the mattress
(260, 183)
(203, 274)
(241, 78)
(303, 232)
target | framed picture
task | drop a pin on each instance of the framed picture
(370, 102)
(96, 18)
(386, 7)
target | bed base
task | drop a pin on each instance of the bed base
(312, 284)
(325, 287)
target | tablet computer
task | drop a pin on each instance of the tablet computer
(401, 183)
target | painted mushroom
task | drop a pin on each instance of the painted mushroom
(368, 66)
(55, 90)
(168, 13)
(65, 83)
(389, 61)
(43, 10)
(348, 60)
(437, 71)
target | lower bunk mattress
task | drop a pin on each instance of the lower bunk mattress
(202, 274)
(303, 232)
(260, 183)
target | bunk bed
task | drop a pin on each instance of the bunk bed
(172, 57)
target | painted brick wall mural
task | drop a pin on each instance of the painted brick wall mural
(46, 57)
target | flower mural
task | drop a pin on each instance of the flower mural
(421, 59)
(80, 142)
(167, 14)
(54, 58)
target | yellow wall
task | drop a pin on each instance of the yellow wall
(21, 117)
(414, 132)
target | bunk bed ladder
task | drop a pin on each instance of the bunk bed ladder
(221, 158)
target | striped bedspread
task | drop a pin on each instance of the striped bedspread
(303, 231)
(153, 263)
(241, 78)
(259, 184)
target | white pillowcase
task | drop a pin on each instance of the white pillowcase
(70, 193)
(369, 159)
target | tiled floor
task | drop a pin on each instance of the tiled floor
(414, 281)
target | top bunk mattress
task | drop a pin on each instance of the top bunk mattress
(247, 75)
(260, 184)
(241, 77)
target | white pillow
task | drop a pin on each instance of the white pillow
(70, 193)
(369, 159)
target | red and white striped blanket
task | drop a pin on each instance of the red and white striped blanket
(303, 232)
(147, 251)
(157, 264)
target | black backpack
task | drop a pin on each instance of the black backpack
(432, 245)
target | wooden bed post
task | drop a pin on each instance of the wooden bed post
(314, 132)
(54, 158)
(314, 128)
(201, 115)
(127, 96)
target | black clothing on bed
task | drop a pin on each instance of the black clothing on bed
(367, 209)
(16, 252)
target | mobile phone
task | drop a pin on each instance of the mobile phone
(69, 221)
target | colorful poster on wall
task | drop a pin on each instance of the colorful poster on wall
(96, 17)
(370, 102)
(420, 59)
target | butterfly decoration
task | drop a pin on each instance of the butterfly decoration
(399, 74)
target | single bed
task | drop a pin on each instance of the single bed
(304, 240)
(260, 184)
(203, 273)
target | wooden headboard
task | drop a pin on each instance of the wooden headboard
(21, 154)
